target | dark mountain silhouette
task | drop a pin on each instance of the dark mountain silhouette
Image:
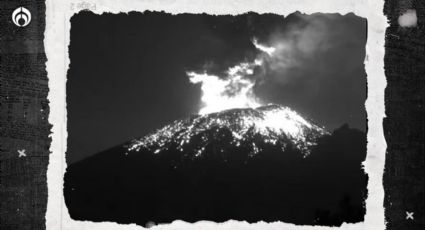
(222, 166)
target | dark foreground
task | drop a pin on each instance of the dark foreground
(326, 188)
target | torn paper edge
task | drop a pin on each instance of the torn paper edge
(57, 38)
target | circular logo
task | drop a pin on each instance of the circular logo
(21, 17)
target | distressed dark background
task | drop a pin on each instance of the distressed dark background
(404, 125)
(24, 112)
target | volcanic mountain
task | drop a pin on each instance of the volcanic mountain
(262, 164)
(253, 128)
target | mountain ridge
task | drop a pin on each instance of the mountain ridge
(326, 188)
(266, 125)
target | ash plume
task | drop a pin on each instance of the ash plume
(277, 57)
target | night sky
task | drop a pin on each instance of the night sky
(127, 75)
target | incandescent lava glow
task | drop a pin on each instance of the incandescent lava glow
(215, 95)
(251, 129)
(235, 90)
(232, 117)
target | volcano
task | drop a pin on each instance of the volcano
(252, 128)
(262, 164)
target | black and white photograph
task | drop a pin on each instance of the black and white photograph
(252, 117)
(212, 115)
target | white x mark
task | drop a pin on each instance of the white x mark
(409, 215)
(21, 153)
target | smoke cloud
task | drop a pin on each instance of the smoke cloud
(297, 47)
(281, 53)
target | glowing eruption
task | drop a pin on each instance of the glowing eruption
(230, 107)
(235, 90)
(221, 94)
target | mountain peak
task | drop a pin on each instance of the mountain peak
(250, 128)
